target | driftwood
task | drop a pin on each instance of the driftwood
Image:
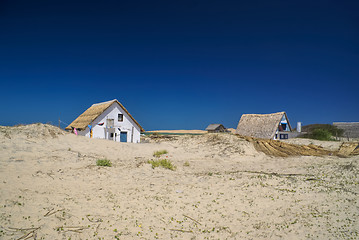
(347, 148)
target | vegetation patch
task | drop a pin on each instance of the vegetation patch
(324, 132)
(159, 153)
(103, 163)
(165, 163)
(186, 164)
(321, 134)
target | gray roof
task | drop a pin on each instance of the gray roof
(351, 129)
(260, 125)
(214, 127)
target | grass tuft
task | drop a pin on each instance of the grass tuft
(159, 153)
(162, 163)
(103, 163)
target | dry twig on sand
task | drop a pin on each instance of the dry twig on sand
(51, 212)
(180, 230)
(94, 221)
(31, 234)
(194, 220)
(77, 229)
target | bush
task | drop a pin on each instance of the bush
(162, 163)
(103, 163)
(333, 130)
(321, 134)
(159, 153)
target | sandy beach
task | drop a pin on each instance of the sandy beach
(222, 188)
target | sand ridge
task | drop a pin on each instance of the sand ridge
(51, 188)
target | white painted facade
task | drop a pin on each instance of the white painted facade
(285, 131)
(121, 131)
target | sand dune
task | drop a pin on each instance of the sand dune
(222, 188)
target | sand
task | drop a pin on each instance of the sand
(222, 188)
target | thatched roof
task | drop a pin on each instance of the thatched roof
(351, 129)
(260, 125)
(213, 127)
(87, 117)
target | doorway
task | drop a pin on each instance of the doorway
(110, 136)
(123, 137)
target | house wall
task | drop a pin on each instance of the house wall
(212, 131)
(84, 132)
(290, 134)
(285, 131)
(104, 131)
(284, 120)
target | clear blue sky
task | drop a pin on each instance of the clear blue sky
(180, 64)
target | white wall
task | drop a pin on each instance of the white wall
(127, 125)
(287, 129)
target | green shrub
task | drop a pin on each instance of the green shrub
(162, 163)
(321, 134)
(333, 130)
(159, 153)
(103, 163)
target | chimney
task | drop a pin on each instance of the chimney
(299, 127)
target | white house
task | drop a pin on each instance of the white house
(108, 120)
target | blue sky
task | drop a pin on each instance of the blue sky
(180, 64)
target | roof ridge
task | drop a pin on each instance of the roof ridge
(95, 104)
(261, 114)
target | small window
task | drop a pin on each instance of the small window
(120, 117)
(110, 123)
(283, 136)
